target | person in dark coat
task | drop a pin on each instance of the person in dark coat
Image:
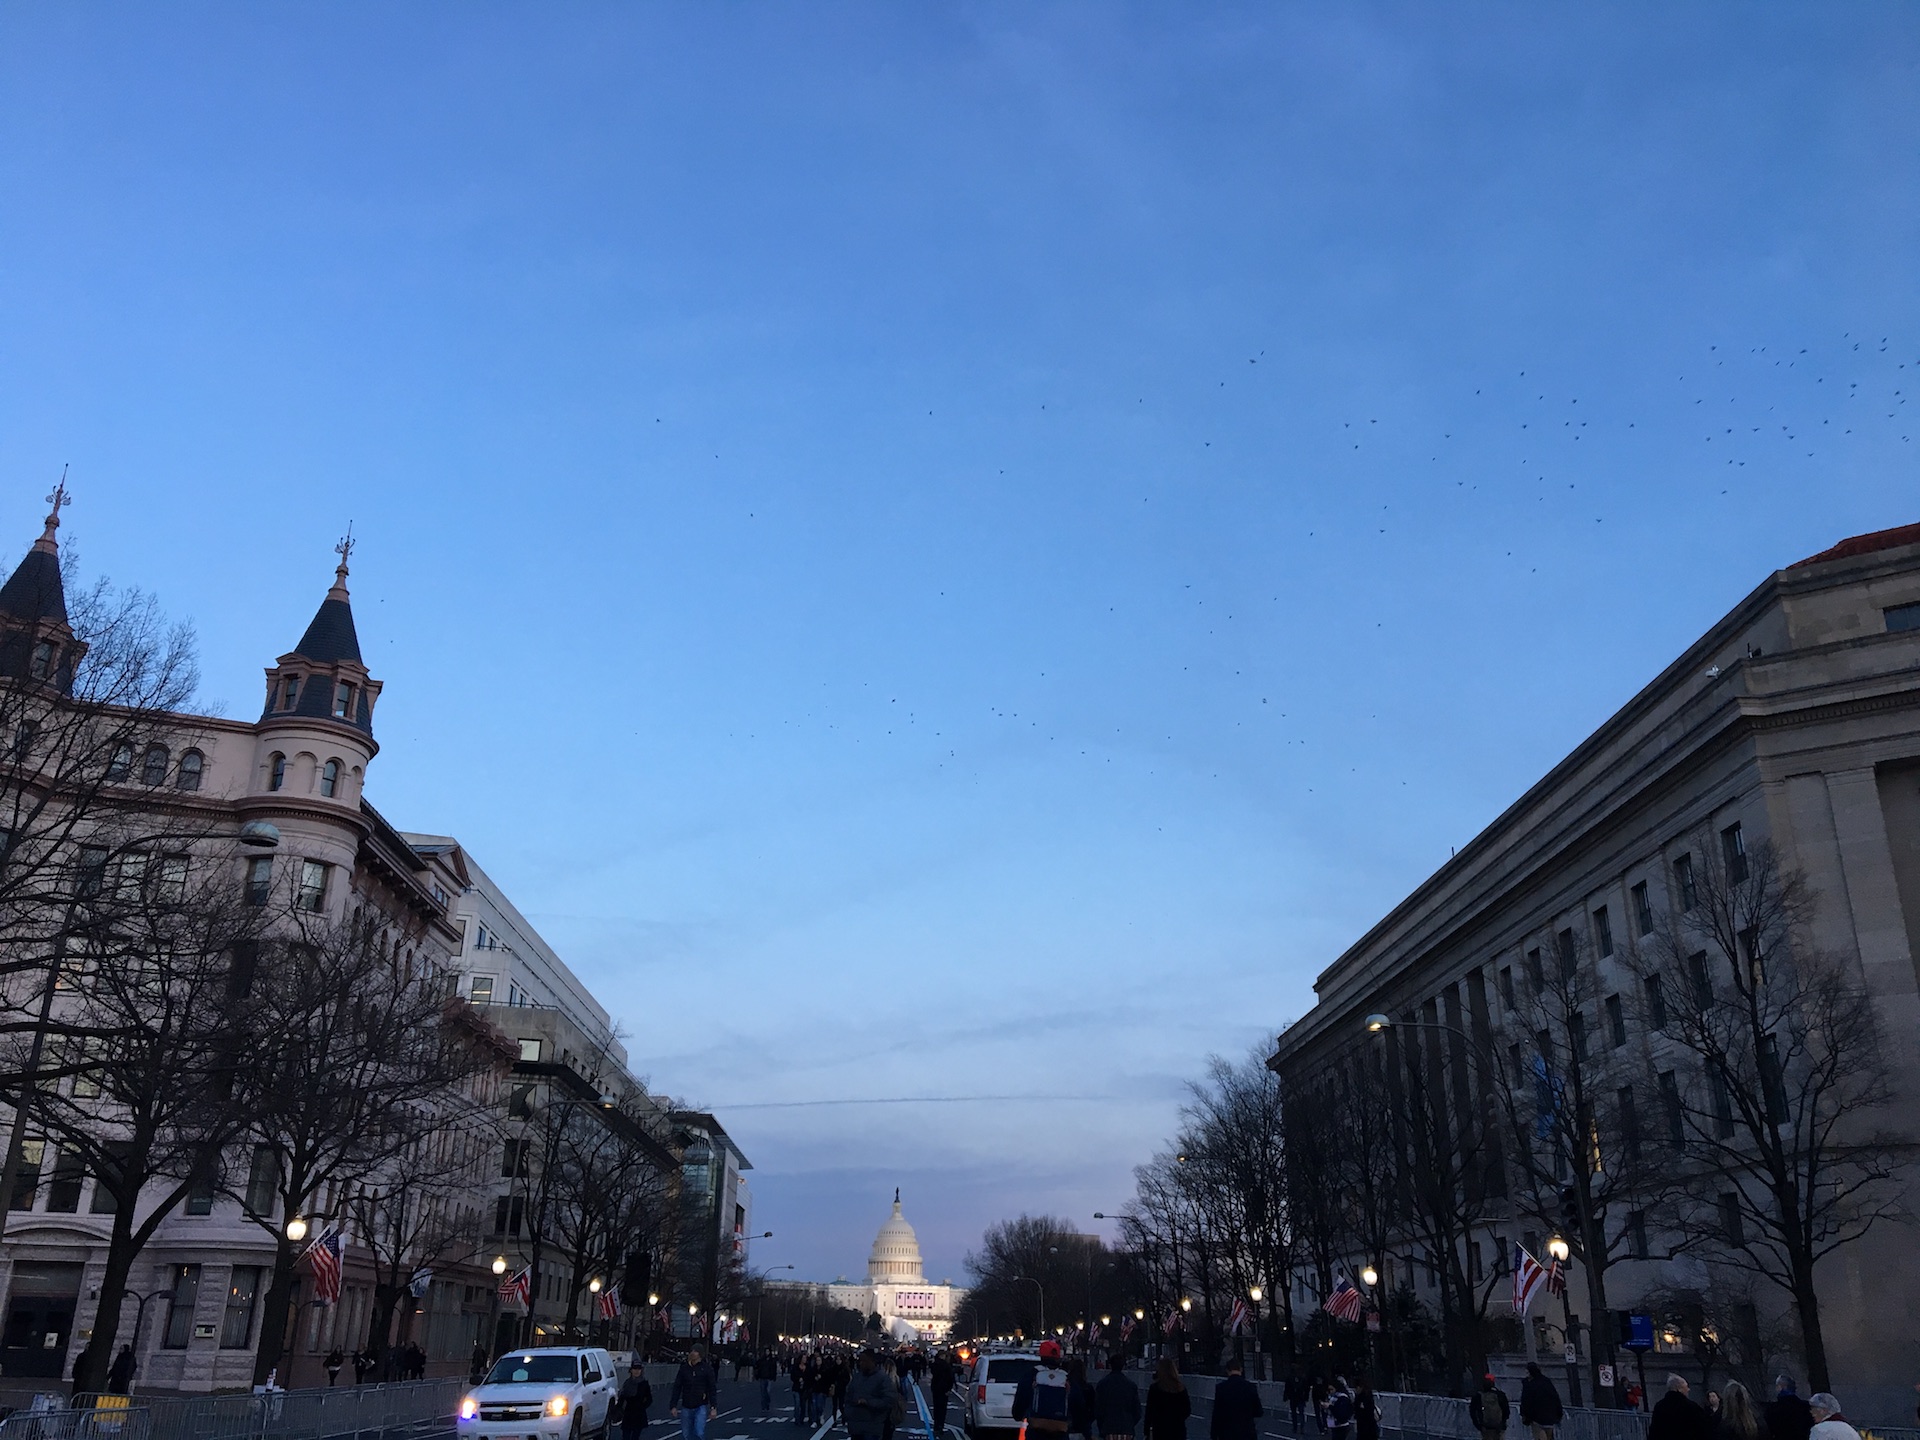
(1297, 1393)
(766, 1369)
(120, 1373)
(1340, 1410)
(1488, 1409)
(1116, 1403)
(940, 1378)
(1168, 1404)
(1540, 1408)
(1366, 1413)
(696, 1395)
(1079, 1400)
(1788, 1417)
(1675, 1416)
(1236, 1407)
(636, 1398)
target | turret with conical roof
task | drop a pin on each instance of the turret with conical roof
(36, 641)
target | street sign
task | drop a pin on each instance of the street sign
(1570, 1355)
(1606, 1377)
(1637, 1333)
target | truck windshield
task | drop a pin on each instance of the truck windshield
(535, 1369)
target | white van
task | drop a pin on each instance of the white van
(996, 1375)
(536, 1394)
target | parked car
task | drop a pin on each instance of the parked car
(563, 1391)
(990, 1388)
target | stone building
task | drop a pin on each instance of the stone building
(1795, 720)
(897, 1289)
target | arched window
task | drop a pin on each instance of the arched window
(121, 764)
(188, 776)
(153, 770)
(329, 777)
(42, 664)
(276, 770)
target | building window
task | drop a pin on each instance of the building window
(181, 1304)
(1602, 931)
(530, 1050)
(1732, 1228)
(153, 769)
(1642, 909)
(508, 1212)
(1701, 980)
(1536, 972)
(513, 1160)
(480, 991)
(236, 1325)
(188, 776)
(343, 701)
(1733, 850)
(1722, 1105)
(1568, 954)
(200, 1198)
(41, 665)
(1637, 1235)
(259, 879)
(263, 1180)
(1902, 617)
(23, 737)
(1506, 988)
(63, 1188)
(330, 778)
(276, 770)
(1577, 1034)
(120, 764)
(93, 870)
(520, 1102)
(291, 694)
(1773, 1081)
(1676, 1110)
(168, 875)
(1616, 1021)
(1656, 1004)
(26, 1181)
(1683, 882)
(1629, 1123)
(1474, 1262)
(313, 884)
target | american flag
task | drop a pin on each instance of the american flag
(518, 1289)
(1172, 1322)
(1126, 1330)
(325, 1258)
(662, 1318)
(1093, 1331)
(1238, 1317)
(1556, 1279)
(609, 1305)
(1527, 1277)
(1344, 1303)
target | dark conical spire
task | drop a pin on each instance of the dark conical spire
(33, 592)
(331, 635)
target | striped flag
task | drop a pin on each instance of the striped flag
(1172, 1322)
(1126, 1329)
(609, 1305)
(1238, 1317)
(1345, 1302)
(1527, 1278)
(518, 1289)
(662, 1318)
(1556, 1279)
(325, 1260)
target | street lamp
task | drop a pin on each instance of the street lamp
(499, 1264)
(1369, 1276)
(1377, 1023)
(1185, 1304)
(1558, 1248)
(296, 1229)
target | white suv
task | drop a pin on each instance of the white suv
(996, 1375)
(537, 1394)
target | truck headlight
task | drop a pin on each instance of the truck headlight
(557, 1405)
(469, 1408)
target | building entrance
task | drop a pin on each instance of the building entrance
(40, 1305)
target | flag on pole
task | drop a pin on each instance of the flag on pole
(662, 1318)
(609, 1305)
(1527, 1278)
(1172, 1322)
(421, 1283)
(325, 1260)
(1126, 1329)
(1556, 1279)
(1238, 1317)
(518, 1289)
(1345, 1302)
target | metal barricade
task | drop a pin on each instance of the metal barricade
(319, 1414)
(118, 1422)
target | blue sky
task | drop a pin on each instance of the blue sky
(959, 550)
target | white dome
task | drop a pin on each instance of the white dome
(895, 1258)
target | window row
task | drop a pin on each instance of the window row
(284, 695)
(235, 1325)
(310, 882)
(329, 775)
(155, 766)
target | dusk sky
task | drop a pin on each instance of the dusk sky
(945, 551)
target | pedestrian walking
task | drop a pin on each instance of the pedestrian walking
(1168, 1404)
(1297, 1393)
(1828, 1421)
(695, 1394)
(870, 1398)
(819, 1387)
(1340, 1410)
(1540, 1408)
(797, 1379)
(1366, 1413)
(120, 1373)
(766, 1369)
(894, 1371)
(1787, 1416)
(1116, 1403)
(1739, 1420)
(1488, 1409)
(1713, 1412)
(1041, 1400)
(1320, 1392)
(940, 1379)
(336, 1360)
(1675, 1416)
(839, 1376)
(1079, 1401)
(1236, 1407)
(476, 1364)
(362, 1366)
(635, 1399)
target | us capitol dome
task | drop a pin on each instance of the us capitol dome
(897, 1289)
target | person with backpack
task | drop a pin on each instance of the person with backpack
(1489, 1409)
(1042, 1401)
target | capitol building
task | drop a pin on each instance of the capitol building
(896, 1289)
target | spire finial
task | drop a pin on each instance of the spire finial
(59, 500)
(345, 551)
(896, 1195)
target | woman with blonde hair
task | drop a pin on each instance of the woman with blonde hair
(1168, 1404)
(1738, 1418)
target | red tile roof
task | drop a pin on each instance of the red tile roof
(1865, 545)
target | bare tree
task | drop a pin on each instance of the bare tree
(1786, 1108)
